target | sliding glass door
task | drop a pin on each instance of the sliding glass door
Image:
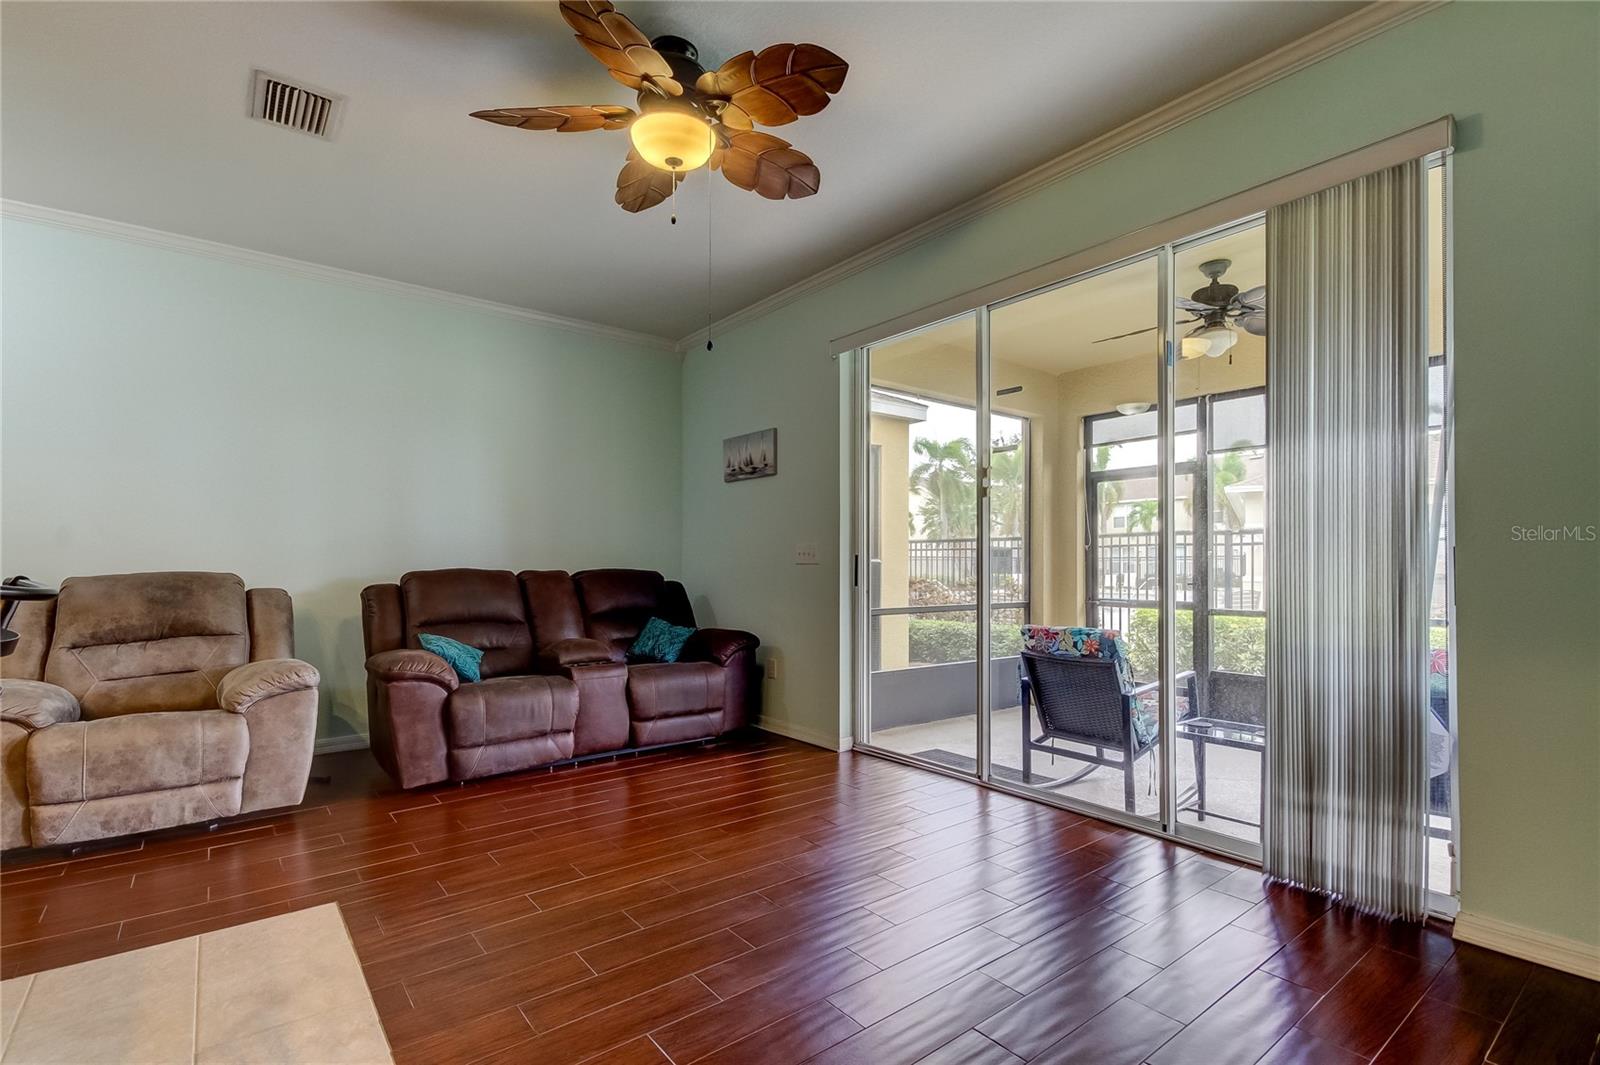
(1065, 528)
(1220, 637)
(1442, 820)
(921, 569)
(1084, 730)
(1065, 517)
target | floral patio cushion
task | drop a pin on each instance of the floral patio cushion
(1145, 727)
(1079, 642)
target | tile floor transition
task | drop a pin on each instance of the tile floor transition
(286, 988)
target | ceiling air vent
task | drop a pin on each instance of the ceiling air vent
(283, 102)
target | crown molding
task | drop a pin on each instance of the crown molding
(157, 238)
(1331, 39)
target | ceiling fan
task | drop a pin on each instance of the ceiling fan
(688, 116)
(1216, 308)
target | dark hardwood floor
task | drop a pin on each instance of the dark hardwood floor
(765, 902)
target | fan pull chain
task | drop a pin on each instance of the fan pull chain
(708, 262)
(674, 197)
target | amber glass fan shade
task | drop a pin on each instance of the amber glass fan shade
(689, 117)
(672, 140)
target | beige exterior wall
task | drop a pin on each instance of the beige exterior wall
(892, 437)
(947, 372)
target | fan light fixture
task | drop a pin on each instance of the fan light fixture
(688, 116)
(1213, 341)
(1133, 408)
(672, 140)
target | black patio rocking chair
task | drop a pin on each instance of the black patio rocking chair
(1082, 701)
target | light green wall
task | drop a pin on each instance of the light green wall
(159, 410)
(1523, 81)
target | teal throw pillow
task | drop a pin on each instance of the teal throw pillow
(659, 641)
(466, 661)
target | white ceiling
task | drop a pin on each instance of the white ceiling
(137, 112)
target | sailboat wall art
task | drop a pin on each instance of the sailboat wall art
(752, 455)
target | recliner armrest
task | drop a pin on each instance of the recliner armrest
(717, 645)
(34, 705)
(409, 663)
(252, 682)
(576, 651)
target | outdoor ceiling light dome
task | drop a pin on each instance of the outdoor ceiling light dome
(1217, 339)
(1133, 408)
(672, 139)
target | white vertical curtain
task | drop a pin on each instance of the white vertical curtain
(1347, 602)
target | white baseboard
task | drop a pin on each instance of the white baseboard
(1568, 955)
(355, 741)
(358, 741)
(805, 735)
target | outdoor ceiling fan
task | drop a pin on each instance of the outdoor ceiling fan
(1217, 309)
(688, 116)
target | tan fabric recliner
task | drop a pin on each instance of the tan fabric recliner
(141, 701)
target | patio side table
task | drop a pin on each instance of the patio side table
(1206, 731)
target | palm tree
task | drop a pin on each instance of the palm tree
(947, 479)
(1008, 505)
(1111, 490)
(1229, 469)
(1142, 515)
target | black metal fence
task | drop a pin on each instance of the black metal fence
(1238, 569)
(954, 563)
(1128, 567)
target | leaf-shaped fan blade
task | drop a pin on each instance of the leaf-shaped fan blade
(1187, 304)
(780, 84)
(576, 119)
(1254, 324)
(611, 37)
(735, 117)
(1255, 297)
(641, 186)
(771, 166)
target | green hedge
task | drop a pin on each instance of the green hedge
(935, 641)
(1238, 645)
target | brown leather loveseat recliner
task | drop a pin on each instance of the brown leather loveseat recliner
(141, 701)
(556, 681)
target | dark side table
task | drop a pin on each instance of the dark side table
(13, 593)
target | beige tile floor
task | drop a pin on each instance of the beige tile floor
(282, 990)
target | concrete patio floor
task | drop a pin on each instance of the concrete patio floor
(1233, 777)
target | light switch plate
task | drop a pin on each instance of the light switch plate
(772, 667)
(805, 554)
